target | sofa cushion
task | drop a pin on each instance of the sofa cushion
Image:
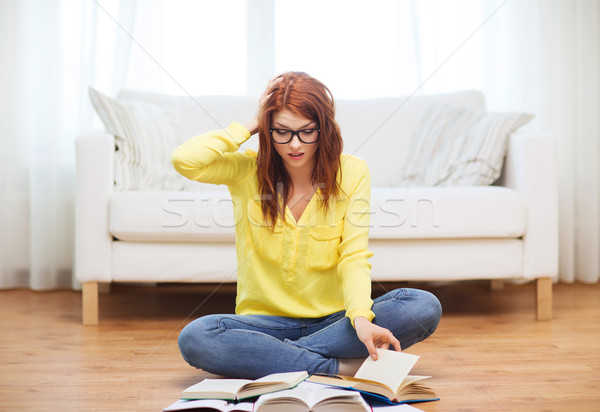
(459, 146)
(144, 136)
(447, 212)
(172, 216)
(407, 213)
(381, 130)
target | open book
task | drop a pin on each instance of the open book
(386, 379)
(237, 389)
(312, 397)
(305, 397)
(212, 405)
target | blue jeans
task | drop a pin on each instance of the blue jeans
(251, 346)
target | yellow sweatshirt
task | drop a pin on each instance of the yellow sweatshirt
(306, 269)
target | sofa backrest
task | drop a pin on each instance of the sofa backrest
(380, 130)
(376, 130)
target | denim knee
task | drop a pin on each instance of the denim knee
(431, 312)
(413, 316)
(424, 306)
(192, 340)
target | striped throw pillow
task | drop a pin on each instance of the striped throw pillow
(459, 146)
(145, 134)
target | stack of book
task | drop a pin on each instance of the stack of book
(381, 382)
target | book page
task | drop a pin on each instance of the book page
(390, 368)
(395, 408)
(286, 377)
(307, 395)
(356, 383)
(291, 399)
(347, 382)
(271, 383)
(329, 396)
(212, 404)
(221, 388)
(413, 378)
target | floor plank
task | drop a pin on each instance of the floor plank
(488, 354)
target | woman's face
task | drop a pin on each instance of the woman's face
(304, 159)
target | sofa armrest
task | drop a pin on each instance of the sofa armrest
(531, 168)
(94, 154)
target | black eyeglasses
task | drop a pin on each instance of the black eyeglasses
(283, 136)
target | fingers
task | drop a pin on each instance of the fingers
(391, 339)
(269, 90)
(374, 337)
(276, 79)
(396, 345)
(272, 84)
(264, 99)
(371, 348)
(388, 339)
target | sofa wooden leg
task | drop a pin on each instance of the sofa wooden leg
(89, 297)
(544, 298)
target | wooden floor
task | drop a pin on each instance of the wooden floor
(488, 354)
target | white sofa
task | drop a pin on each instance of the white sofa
(505, 231)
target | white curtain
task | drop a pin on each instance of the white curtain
(49, 57)
(540, 56)
(569, 96)
(36, 209)
(51, 51)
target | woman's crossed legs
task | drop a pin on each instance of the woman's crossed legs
(251, 346)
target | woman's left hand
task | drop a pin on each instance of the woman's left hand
(374, 336)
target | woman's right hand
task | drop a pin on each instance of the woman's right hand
(373, 336)
(252, 125)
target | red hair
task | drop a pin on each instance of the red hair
(305, 96)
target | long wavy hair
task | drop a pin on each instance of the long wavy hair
(305, 96)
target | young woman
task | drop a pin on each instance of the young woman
(302, 212)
